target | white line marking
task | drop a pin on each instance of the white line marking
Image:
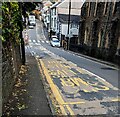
(34, 41)
(43, 41)
(47, 41)
(30, 41)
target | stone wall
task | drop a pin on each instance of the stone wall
(99, 29)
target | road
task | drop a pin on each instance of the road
(81, 86)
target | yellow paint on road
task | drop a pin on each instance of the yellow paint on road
(101, 88)
(73, 72)
(55, 90)
(64, 72)
(70, 110)
(66, 82)
(98, 87)
(61, 73)
(71, 103)
(77, 81)
(71, 84)
(116, 100)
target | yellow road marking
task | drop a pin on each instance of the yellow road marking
(64, 72)
(55, 90)
(77, 81)
(57, 66)
(116, 100)
(73, 72)
(70, 103)
(86, 91)
(104, 88)
(70, 110)
(61, 73)
(62, 109)
(98, 87)
(63, 82)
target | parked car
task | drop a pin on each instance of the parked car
(31, 26)
(54, 36)
(55, 42)
(32, 22)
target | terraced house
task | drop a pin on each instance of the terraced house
(68, 21)
(99, 32)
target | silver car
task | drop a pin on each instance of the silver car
(55, 42)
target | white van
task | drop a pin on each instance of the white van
(32, 20)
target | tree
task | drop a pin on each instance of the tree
(12, 25)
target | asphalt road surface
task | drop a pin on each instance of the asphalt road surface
(81, 86)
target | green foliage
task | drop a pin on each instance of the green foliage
(28, 7)
(10, 20)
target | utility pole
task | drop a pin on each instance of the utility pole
(50, 25)
(69, 25)
(21, 29)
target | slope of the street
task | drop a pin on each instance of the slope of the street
(79, 85)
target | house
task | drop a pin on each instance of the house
(53, 18)
(99, 30)
(68, 28)
(45, 13)
(62, 30)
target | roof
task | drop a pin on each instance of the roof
(76, 5)
(45, 8)
(54, 5)
(66, 11)
(63, 18)
(47, 3)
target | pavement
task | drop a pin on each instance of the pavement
(28, 96)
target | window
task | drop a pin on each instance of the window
(74, 26)
(92, 8)
(117, 7)
(100, 7)
(102, 37)
(106, 9)
(95, 8)
(86, 36)
(88, 8)
(55, 11)
(52, 22)
(55, 22)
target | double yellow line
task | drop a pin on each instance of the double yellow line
(55, 91)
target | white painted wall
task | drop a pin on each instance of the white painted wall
(54, 19)
(64, 29)
(73, 31)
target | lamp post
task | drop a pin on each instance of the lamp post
(68, 33)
